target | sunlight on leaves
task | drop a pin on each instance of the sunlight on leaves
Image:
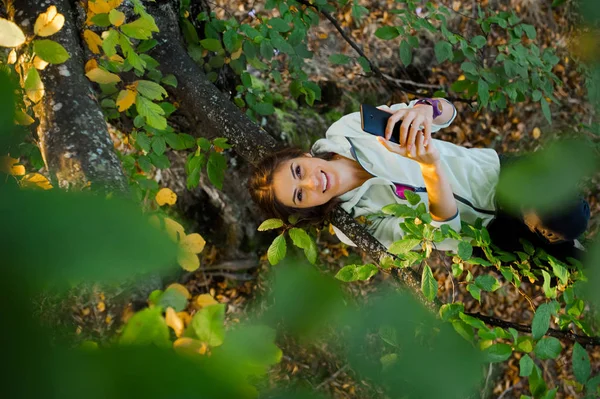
(49, 22)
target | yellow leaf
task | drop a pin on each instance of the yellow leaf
(189, 345)
(174, 229)
(165, 196)
(6, 163)
(17, 170)
(99, 6)
(116, 17)
(188, 261)
(10, 34)
(204, 300)
(116, 58)
(185, 317)
(34, 87)
(126, 99)
(236, 54)
(93, 41)
(12, 57)
(193, 243)
(99, 75)
(181, 289)
(174, 321)
(39, 63)
(49, 22)
(91, 64)
(23, 119)
(536, 133)
(35, 180)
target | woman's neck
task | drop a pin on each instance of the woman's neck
(355, 173)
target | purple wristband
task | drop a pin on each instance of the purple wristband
(435, 104)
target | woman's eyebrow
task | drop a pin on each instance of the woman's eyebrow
(294, 176)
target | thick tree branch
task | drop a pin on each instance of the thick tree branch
(568, 335)
(392, 82)
(73, 135)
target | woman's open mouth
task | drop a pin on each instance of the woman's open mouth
(325, 181)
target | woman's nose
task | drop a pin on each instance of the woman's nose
(311, 182)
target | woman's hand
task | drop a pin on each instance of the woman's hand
(413, 119)
(416, 150)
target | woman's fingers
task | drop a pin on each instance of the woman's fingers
(420, 144)
(392, 146)
(414, 129)
(408, 118)
(427, 131)
(396, 116)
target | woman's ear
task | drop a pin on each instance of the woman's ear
(308, 154)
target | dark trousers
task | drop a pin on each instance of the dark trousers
(506, 229)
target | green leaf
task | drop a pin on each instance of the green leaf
(524, 344)
(405, 53)
(211, 44)
(581, 363)
(465, 330)
(146, 327)
(388, 335)
(548, 348)
(110, 41)
(300, 237)
(276, 251)
(483, 92)
(347, 274)
(479, 41)
(387, 32)
(160, 161)
(50, 51)
(232, 40)
(101, 20)
(270, 224)
(443, 51)
(429, 285)
(546, 110)
(450, 311)
(473, 322)
(170, 80)
(159, 145)
(412, 197)
(208, 324)
(215, 169)
(525, 366)
(559, 270)
(364, 63)
(279, 24)
(339, 59)
(475, 291)
(541, 321)
(469, 67)
(141, 28)
(487, 282)
(142, 140)
(152, 113)
(264, 108)
(529, 31)
(498, 353)
(548, 290)
(465, 250)
(399, 210)
(367, 271)
(403, 246)
(173, 298)
(175, 141)
(151, 90)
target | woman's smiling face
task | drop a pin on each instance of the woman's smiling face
(306, 182)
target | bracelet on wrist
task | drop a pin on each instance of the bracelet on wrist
(436, 105)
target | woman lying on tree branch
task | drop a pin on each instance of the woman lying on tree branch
(363, 173)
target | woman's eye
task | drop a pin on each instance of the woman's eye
(298, 171)
(299, 195)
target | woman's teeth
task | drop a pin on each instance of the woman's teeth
(324, 181)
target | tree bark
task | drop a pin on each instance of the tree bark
(73, 134)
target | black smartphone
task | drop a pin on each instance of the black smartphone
(373, 120)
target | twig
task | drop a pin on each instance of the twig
(582, 339)
(410, 82)
(487, 380)
(510, 388)
(331, 378)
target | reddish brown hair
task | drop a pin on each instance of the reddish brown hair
(261, 189)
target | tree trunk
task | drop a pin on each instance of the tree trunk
(73, 135)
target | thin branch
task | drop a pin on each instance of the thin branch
(582, 339)
(398, 83)
(331, 378)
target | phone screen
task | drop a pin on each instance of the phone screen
(374, 121)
